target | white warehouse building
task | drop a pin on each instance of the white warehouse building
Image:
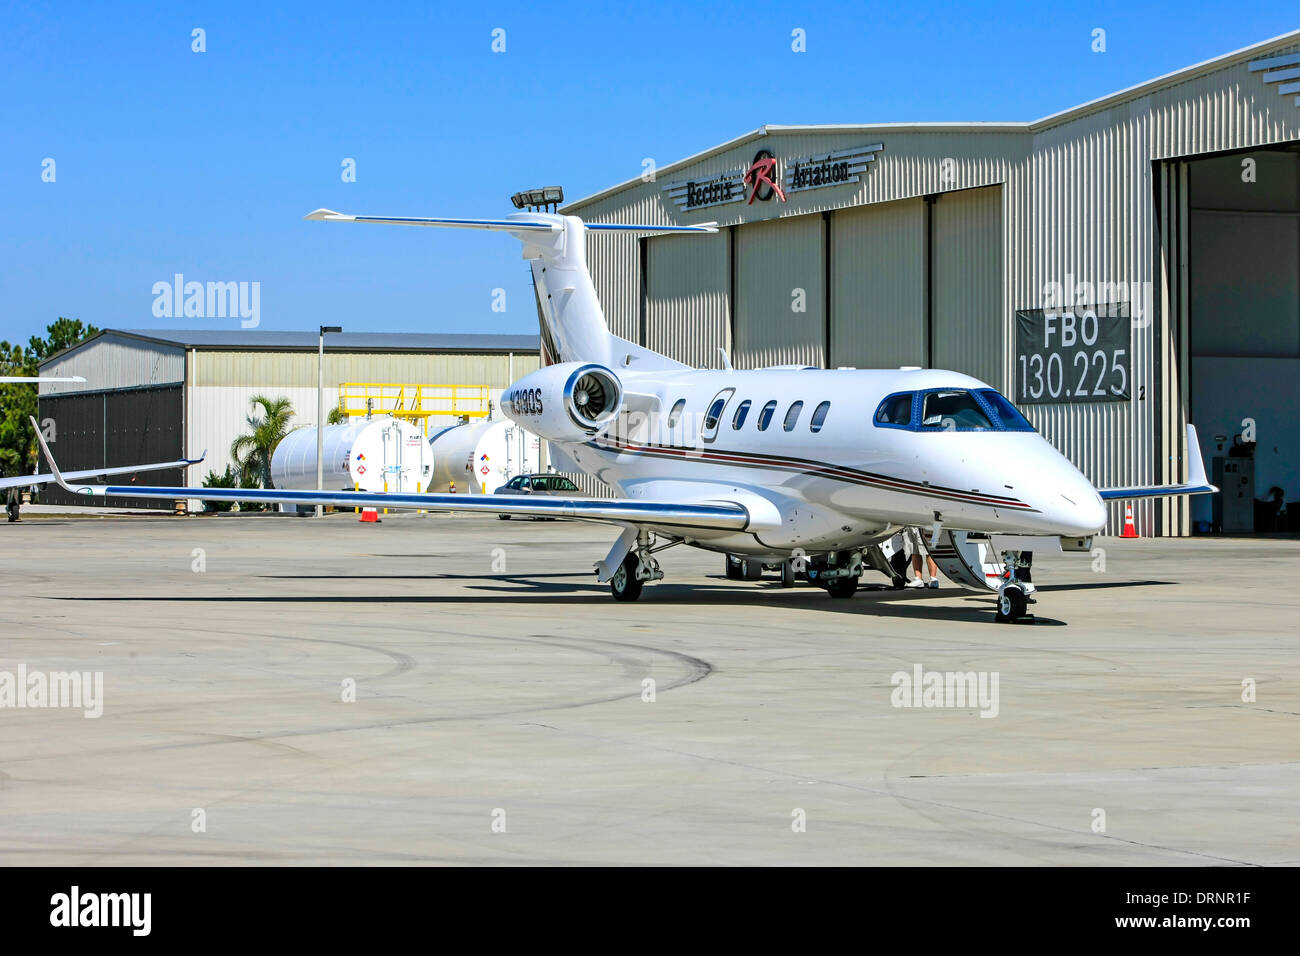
(1118, 269)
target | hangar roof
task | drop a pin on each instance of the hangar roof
(307, 341)
(1054, 119)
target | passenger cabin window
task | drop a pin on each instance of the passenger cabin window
(792, 415)
(895, 410)
(819, 417)
(675, 415)
(765, 416)
(741, 411)
(953, 409)
(714, 414)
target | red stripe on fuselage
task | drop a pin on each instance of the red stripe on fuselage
(804, 466)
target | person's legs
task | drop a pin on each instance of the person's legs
(913, 540)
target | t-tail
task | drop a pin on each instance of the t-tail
(573, 326)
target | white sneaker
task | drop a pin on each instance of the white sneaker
(934, 583)
(915, 583)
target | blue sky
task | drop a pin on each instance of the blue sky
(168, 161)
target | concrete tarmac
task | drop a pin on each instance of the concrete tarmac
(502, 713)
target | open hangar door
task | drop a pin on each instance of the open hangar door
(1243, 318)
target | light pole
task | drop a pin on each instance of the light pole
(320, 412)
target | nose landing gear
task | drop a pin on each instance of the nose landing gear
(1013, 595)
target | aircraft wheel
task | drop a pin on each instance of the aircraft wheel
(787, 574)
(733, 568)
(624, 584)
(504, 517)
(842, 587)
(1011, 604)
(751, 569)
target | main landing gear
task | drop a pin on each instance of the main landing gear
(637, 568)
(838, 573)
(739, 568)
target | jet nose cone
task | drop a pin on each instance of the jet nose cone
(1082, 512)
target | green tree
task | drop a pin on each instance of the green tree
(252, 451)
(18, 402)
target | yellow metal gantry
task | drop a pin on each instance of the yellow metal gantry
(418, 403)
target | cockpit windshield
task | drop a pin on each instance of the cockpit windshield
(951, 409)
(1008, 416)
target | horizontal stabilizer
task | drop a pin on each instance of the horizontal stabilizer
(1197, 483)
(523, 222)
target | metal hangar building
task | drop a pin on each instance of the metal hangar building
(1118, 269)
(159, 395)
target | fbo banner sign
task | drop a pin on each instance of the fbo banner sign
(1075, 356)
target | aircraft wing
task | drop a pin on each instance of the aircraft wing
(720, 515)
(23, 481)
(1196, 484)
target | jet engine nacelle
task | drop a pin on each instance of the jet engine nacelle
(569, 402)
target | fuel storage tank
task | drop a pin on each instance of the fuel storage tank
(481, 457)
(369, 454)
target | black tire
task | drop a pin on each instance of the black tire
(787, 574)
(624, 584)
(751, 569)
(842, 587)
(504, 517)
(733, 569)
(1011, 604)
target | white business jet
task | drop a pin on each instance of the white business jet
(779, 467)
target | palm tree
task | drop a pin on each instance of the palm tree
(252, 452)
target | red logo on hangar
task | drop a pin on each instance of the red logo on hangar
(762, 179)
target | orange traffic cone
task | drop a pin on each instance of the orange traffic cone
(370, 515)
(1130, 529)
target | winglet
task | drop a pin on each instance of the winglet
(45, 450)
(1195, 460)
(328, 215)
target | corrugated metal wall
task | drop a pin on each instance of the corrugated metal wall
(688, 297)
(217, 415)
(780, 293)
(878, 285)
(613, 258)
(1087, 206)
(113, 361)
(969, 320)
(298, 369)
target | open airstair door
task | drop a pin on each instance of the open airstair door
(968, 559)
(889, 558)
